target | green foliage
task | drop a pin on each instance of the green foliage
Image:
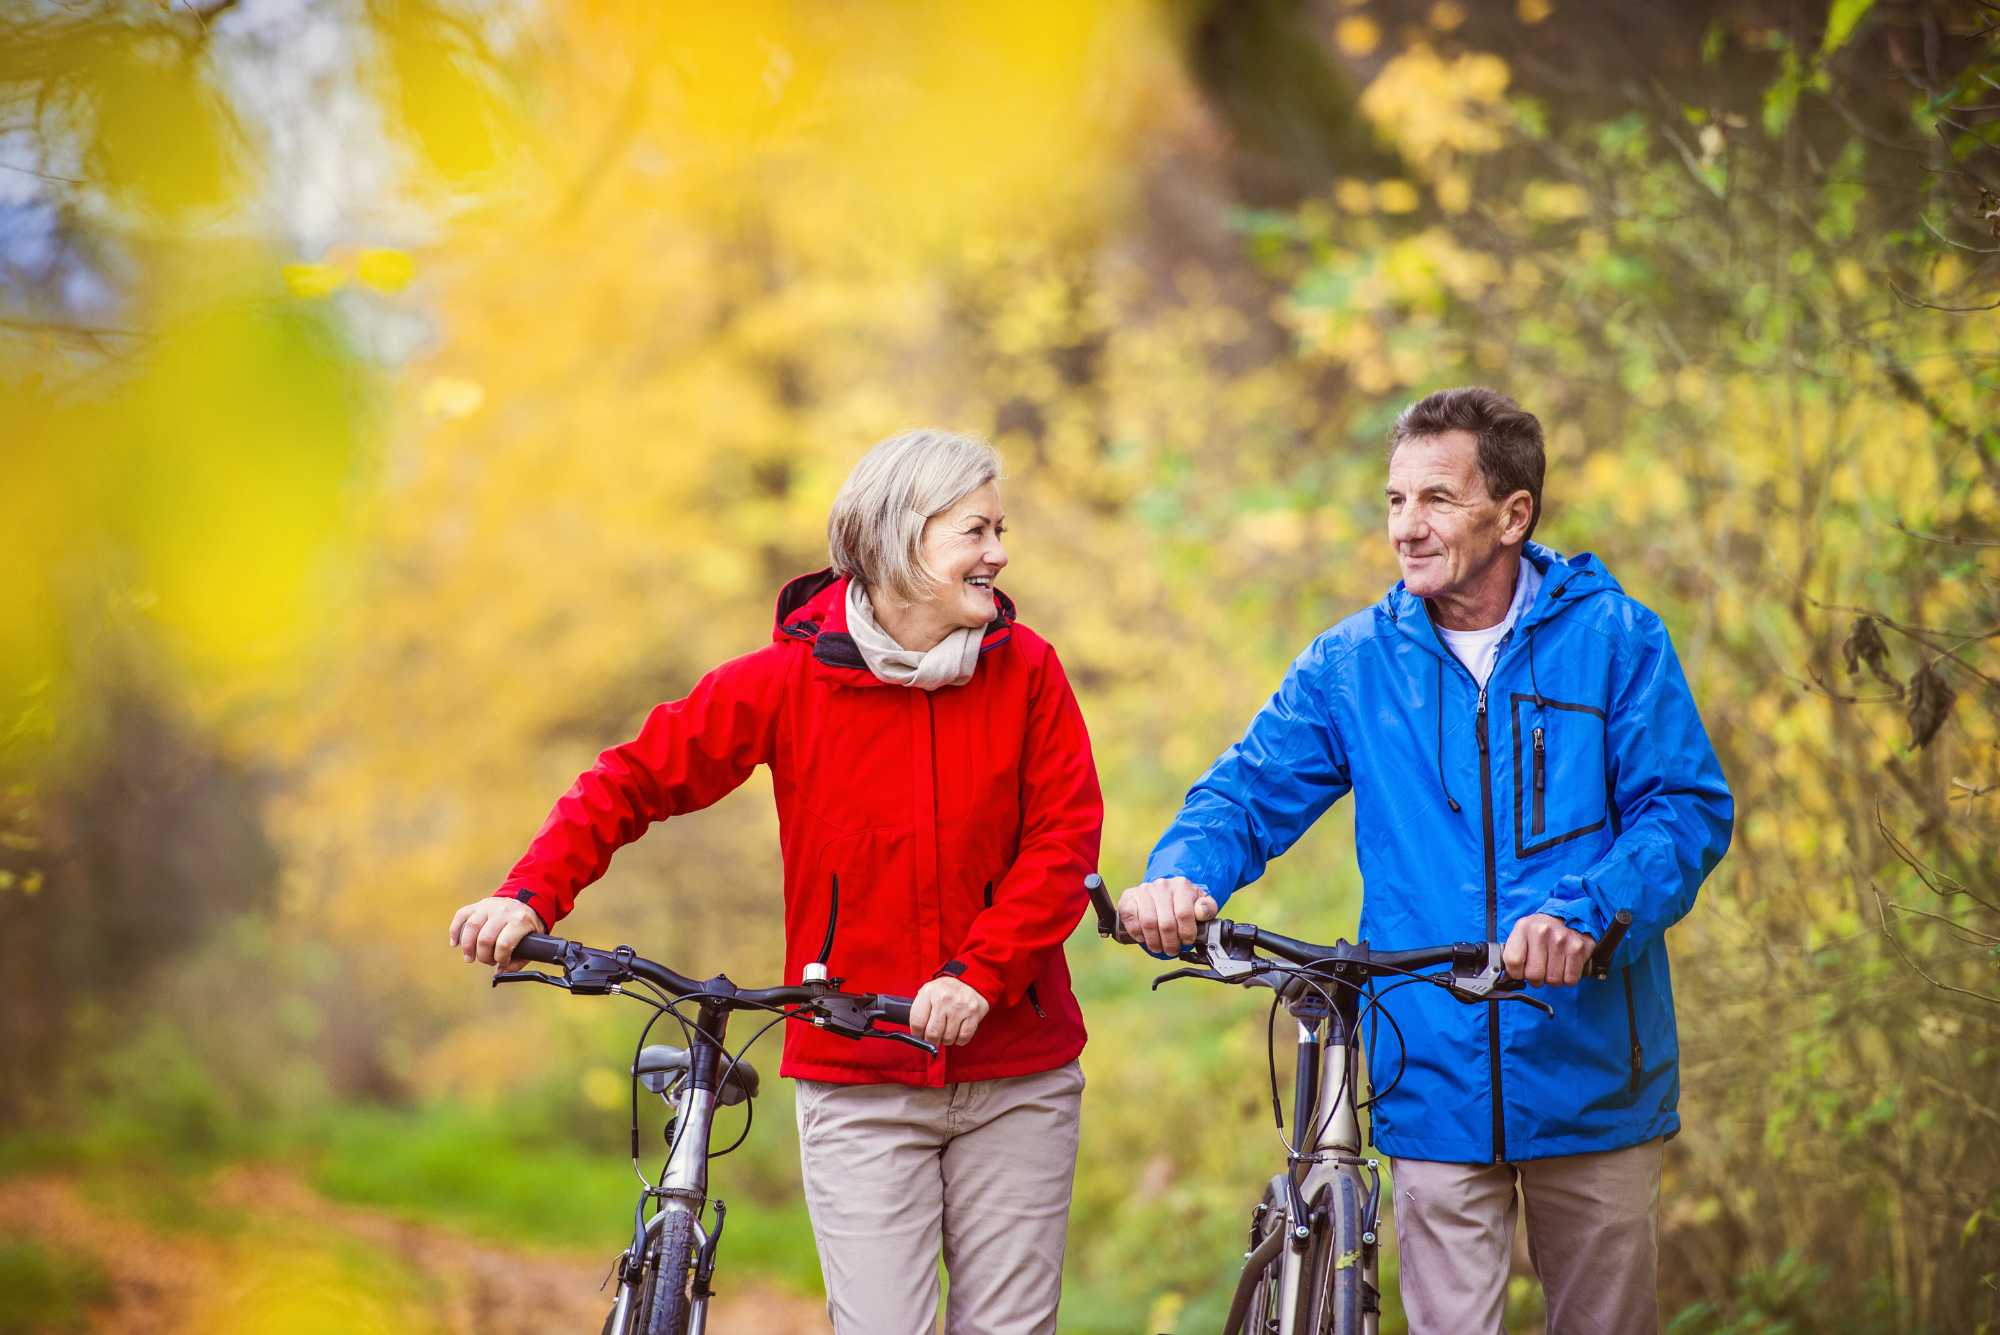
(41, 1291)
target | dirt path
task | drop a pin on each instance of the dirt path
(308, 1262)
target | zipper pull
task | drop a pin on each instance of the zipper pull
(1482, 699)
(1539, 772)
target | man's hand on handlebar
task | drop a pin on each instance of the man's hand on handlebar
(946, 1011)
(1544, 951)
(1165, 915)
(488, 931)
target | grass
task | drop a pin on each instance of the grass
(498, 1174)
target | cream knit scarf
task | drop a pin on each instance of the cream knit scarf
(950, 663)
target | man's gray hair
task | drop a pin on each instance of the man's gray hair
(875, 532)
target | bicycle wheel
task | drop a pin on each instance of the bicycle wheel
(663, 1302)
(1260, 1318)
(1331, 1303)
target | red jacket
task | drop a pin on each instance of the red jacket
(961, 823)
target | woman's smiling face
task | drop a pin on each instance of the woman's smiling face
(963, 547)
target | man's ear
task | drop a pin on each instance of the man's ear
(1516, 514)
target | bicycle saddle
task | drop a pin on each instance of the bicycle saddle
(658, 1062)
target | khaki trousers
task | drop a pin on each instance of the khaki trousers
(1593, 1236)
(979, 1170)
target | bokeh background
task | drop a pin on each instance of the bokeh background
(400, 397)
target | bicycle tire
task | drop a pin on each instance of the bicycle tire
(664, 1300)
(1332, 1301)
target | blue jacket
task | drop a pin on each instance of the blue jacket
(1585, 783)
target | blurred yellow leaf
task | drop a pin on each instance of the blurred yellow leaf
(450, 396)
(161, 132)
(1357, 35)
(1427, 105)
(312, 281)
(1532, 12)
(1555, 201)
(1454, 192)
(385, 270)
(1397, 197)
(442, 85)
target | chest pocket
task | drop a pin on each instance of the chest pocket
(1560, 787)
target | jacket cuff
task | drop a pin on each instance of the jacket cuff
(1579, 915)
(979, 977)
(543, 903)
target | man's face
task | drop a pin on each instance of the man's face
(1446, 529)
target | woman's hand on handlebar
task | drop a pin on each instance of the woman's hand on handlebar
(1546, 952)
(1165, 916)
(946, 1011)
(486, 932)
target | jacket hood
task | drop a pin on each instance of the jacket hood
(1565, 581)
(813, 608)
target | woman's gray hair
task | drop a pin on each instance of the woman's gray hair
(875, 532)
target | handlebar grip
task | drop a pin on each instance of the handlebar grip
(1607, 945)
(534, 948)
(1107, 913)
(896, 1010)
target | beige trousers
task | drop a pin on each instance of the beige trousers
(1593, 1236)
(981, 1170)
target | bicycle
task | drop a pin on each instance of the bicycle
(665, 1275)
(1312, 1263)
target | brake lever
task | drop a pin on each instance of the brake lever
(1496, 993)
(910, 1039)
(530, 975)
(1209, 974)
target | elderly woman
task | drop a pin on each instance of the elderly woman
(927, 751)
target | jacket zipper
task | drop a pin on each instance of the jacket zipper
(1541, 774)
(1034, 998)
(1632, 1026)
(1492, 927)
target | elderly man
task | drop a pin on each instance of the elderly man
(1526, 761)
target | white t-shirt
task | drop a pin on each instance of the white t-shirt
(1478, 648)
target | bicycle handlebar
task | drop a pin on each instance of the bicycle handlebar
(589, 972)
(1249, 937)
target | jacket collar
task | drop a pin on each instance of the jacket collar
(1565, 580)
(813, 608)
